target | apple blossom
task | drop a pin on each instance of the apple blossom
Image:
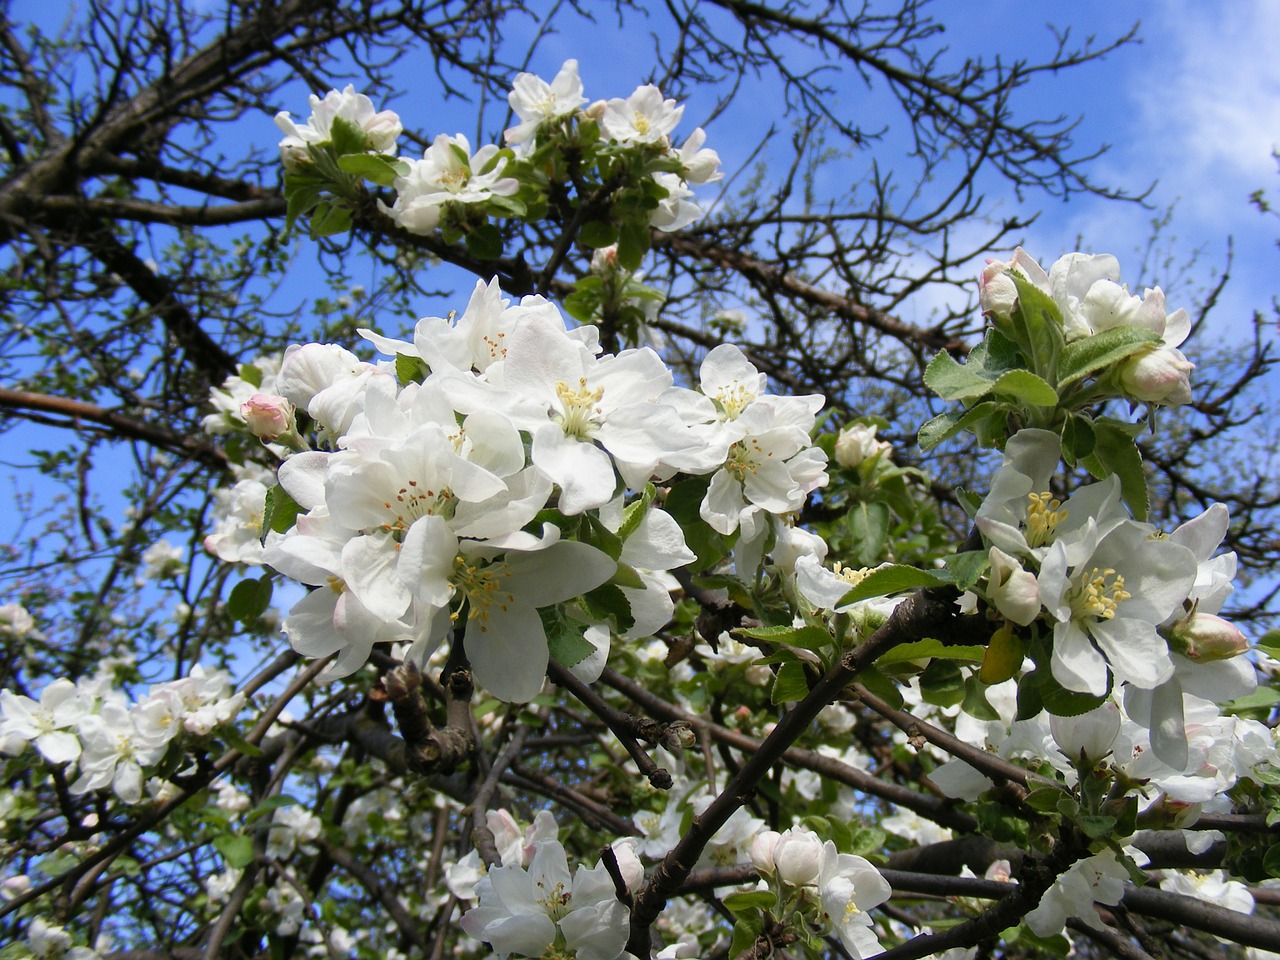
(447, 173)
(381, 129)
(857, 443)
(537, 102)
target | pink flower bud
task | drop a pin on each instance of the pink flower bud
(1158, 376)
(267, 415)
(1204, 637)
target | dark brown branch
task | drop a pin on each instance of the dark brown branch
(117, 423)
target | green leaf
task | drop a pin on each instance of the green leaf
(1026, 386)
(975, 702)
(236, 849)
(891, 579)
(942, 684)
(1090, 354)
(485, 242)
(750, 900)
(1078, 439)
(634, 513)
(347, 137)
(865, 841)
(250, 373)
(627, 576)
(947, 425)
(278, 512)
(683, 503)
(1260, 698)
(1115, 452)
(868, 525)
(410, 369)
(633, 244)
(1054, 697)
(607, 602)
(249, 599)
(878, 683)
(790, 685)
(967, 568)
(1037, 327)
(1044, 799)
(592, 531)
(1096, 826)
(745, 932)
(503, 207)
(806, 637)
(564, 638)
(369, 166)
(1269, 643)
(955, 381)
(598, 233)
(329, 219)
(931, 650)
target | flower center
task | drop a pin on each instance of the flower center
(413, 502)
(581, 408)
(641, 124)
(1044, 513)
(733, 400)
(849, 575)
(745, 457)
(484, 588)
(1098, 594)
(555, 900)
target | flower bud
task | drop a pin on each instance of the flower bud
(1204, 637)
(1090, 736)
(997, 292)
(267, 415)
(798, 857)
(857, 443)
(762, 851)
(1157, 376)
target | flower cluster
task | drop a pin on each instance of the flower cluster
(1130, 610)
(1091, 300)
(482, 479)
(839, 888)
(619, 147)
(525, 910)
(93, 729)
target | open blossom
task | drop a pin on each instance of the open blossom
(523, 911)
(644, 117)
(1096, 879)
(447, 173)
(381, 128)
(536, 102)
(1107, 595)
